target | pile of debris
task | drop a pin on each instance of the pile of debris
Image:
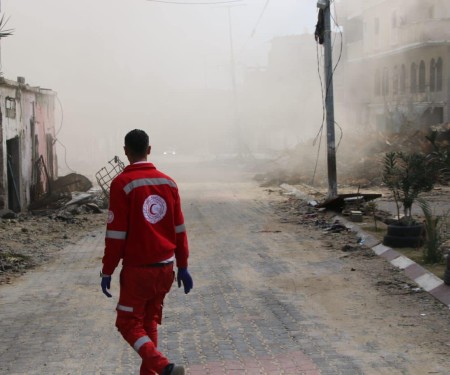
(29, 239)
(62, 214)
(359, 157)
(70, 195)
(69, 209)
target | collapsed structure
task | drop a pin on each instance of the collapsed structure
(28, 160)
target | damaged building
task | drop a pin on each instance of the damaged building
(397, 62)
(28, 156)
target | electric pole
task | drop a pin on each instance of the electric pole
(233, 83)
(325, 5)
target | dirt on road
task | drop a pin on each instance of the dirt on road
(31, 240)
(350, 288)
(361, 294)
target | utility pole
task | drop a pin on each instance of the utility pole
(233, 83)
(236, 124)
(325, 5)
(235, 120)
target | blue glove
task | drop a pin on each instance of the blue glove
(184, 277)
(106, 285)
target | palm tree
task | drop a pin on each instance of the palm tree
(5, 32)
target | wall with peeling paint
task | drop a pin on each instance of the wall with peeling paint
(27, 147)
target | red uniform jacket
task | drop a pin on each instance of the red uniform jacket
(145, 221)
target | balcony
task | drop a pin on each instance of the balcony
(434, 30)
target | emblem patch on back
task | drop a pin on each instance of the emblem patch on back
(154, 208)
(110, 217)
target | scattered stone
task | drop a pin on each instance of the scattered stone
(349, 248)
(7, 214)
(93, 208)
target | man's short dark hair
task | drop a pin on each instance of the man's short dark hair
(137, 142)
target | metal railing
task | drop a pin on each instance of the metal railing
(105, 175)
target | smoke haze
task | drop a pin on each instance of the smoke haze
(118, 65)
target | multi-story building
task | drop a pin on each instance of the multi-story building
(397, 62)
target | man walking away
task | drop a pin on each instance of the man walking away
(146, 230)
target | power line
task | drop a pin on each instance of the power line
(260, 18)
(194, 3)
(252, 34)
(62, 116)
(319, 134)
(65, 155)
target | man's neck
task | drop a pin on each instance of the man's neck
(139, 161)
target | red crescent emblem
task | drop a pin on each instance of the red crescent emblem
(151, 209)
(154, 208)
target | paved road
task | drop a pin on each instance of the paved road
(56, 321)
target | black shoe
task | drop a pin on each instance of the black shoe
(171, 369)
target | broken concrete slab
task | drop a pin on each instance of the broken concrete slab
(80, 198)
(71, 183)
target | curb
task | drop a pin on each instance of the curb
(422, 277)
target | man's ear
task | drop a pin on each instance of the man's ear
(149, 149)
(125, 150)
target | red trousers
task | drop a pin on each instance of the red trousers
(142, 292)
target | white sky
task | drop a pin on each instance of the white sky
(98, 53)
(138, 37)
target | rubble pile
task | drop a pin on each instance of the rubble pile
(73, 189)
(343, 243)
(29, 239)
(359, 157)
(69, 209)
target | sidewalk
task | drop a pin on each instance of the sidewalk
(423, 278)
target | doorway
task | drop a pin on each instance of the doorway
(13, 167)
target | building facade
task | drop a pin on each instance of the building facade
(397, 62)
(27, 143)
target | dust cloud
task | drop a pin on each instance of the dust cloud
(208, 81)
(380, 104)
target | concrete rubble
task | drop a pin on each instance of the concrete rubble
(359, 156)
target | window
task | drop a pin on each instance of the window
(355, 30)
(422, 77)
(433, 75)
(413, 78)
(394, 28)
(10, 105)
(377, 83)
(439, 75)
(403, 79)
(395, 81)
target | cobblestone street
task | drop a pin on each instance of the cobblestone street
(247, 314)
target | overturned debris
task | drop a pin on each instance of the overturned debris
(71, 183)
(344, 200)
(105, 175)
(60, 192)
